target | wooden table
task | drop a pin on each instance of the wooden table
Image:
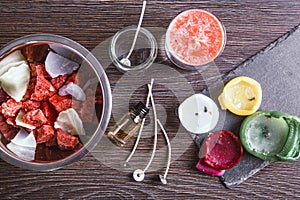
(250, 25)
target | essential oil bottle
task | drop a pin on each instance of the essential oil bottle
(128, 125)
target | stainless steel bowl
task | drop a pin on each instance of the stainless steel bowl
(88, 64)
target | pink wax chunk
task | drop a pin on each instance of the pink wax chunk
(208, 169)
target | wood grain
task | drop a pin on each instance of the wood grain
(250, 25)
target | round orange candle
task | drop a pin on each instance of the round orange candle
(194, 38)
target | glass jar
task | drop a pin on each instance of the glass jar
(143, 55)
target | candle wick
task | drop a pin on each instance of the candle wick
(205, 109)
(252, 99)
(266, 133)
(126, 60)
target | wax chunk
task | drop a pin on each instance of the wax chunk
(15, 81)
(70, 122)
(12, 60)
(57, 65)
(23, 145)
(73, 90)
(20, 122)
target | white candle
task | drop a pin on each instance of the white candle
(198, 114)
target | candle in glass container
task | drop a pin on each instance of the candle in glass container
(194, 38)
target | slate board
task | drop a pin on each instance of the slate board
(277, 69)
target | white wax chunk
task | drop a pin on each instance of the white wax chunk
(23, 145)
(69, 121)
(14, 59)
(24, 139)
(20, 122)
(198, 114)
(66, 53)
(58, 65)
(73, 90)
(16, 80)
(26, 153)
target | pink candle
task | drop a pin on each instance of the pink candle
(194, 38)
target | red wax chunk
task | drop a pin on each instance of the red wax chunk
(65, 140)
(10, 108)
(3, 96)
(43, 89)
(40, 153)
(49, 112)
(87, 109)
(31, 105)
(8, 131)
(39, 70)
(61, 103)
(72, 78)
(52, 141)
(35, 118)
(45, 153)
(53, 153)
(45, 134)
(12, 121)
(35, 53)
(221, 150)
(59, 81)
(30, 88)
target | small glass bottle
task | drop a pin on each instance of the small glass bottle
(128, 125)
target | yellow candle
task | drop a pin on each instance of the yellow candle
(242, 96)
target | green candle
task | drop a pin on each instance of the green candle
(271, 136)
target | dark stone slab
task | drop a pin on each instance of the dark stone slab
(277, 69)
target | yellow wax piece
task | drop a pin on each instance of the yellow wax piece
(242, 96)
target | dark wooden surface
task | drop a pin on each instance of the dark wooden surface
(250, 25)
